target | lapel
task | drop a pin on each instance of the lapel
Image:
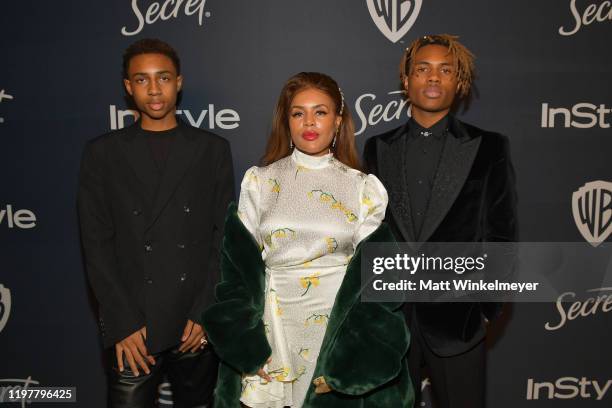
(391, 159)
(179, 159)
(455, 164)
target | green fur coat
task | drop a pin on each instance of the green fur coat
(362, 356)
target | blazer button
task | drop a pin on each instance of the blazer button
(136, 212)
(149, 280)
(148, 247)
(183, 276)
(181, 246)
(186, 209)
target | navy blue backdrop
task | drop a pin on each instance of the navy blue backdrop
(543, 79)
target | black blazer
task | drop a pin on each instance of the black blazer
(473, 199)
(151, 243)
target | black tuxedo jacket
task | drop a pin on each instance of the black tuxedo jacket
(473, 199)
(151, 241)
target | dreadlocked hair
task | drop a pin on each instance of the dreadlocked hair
(463, 59)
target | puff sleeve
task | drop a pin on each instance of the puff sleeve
(373, 201)
(249, 202)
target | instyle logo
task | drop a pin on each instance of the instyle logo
(371, 113)
(582, 115)
(394, 18)
(4, 95)
(594, 12)
(570, 309)
(5, 306)
(592, 209)
(568, 388)
(24, 219)
(225, 119)
(164, 11)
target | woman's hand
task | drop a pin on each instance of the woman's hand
(263, 374)
(321, 386)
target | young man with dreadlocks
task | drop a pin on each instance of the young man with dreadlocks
(448, 181)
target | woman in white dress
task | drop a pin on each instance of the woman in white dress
(308, 208)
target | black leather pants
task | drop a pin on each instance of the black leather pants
(192, 377)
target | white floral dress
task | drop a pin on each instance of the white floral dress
(307, 214)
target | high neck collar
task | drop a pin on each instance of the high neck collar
(311, 162)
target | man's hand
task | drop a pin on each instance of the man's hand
(193, 334)
(135, 351)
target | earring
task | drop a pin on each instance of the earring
(334, 142)
(290, 143)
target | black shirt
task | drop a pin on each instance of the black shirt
(160, 144)
(423, 151)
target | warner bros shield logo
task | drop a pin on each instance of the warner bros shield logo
(394, 17)
(592, 208)
(5, 305)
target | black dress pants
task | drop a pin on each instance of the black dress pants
(456, 382)
(192, 378)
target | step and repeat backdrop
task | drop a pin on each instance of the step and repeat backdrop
(544, 79)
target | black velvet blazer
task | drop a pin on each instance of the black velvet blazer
(473, 199)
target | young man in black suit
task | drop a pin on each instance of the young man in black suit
(152, 200)
(448, 181)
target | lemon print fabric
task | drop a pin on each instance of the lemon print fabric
(300, 169)
(317, 318)
(275, 236)
(308, 214)
(275, 306)
(327, 197)
(274, 186)
(309, 281)
(367, 201)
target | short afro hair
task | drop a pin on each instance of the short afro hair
(150, 46)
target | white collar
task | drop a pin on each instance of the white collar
(311, 162)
